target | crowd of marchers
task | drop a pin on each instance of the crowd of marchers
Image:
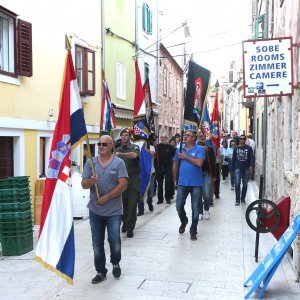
(181, 166)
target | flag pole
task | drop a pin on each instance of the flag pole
(68, 47)
(91, 163)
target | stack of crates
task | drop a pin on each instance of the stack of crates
(16, 234)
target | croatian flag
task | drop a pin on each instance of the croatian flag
(141, 131)
(56, 247)
(107, 121)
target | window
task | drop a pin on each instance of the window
(121, 81)
(165, 81)
(259, 27)
(85, 70)
(147, 19)
(15, 43)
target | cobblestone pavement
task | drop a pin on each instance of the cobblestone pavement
(159, 263)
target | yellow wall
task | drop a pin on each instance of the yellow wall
(33, 97)
(30, 147)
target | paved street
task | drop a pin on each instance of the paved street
(158, 263)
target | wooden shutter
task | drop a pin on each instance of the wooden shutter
(24, 48)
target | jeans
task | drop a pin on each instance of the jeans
(150, 194)
(207, 192)
(232, 180)
(240, 174)
(196, 195)
(98, 225)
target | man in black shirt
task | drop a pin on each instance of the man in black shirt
(163, 167)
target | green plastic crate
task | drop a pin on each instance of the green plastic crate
(17, 180)
(16, 216)
(16, 245)
(8, 225)
(14, 194)
(23, 231)
(16, 199)
(14, 207)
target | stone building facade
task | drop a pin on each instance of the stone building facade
(170, 105)
(282, 133)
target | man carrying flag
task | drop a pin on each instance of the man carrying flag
(130, 153)
(215, 137)
(142, 131)
(56, 249)
(209, 165)
(106, 211)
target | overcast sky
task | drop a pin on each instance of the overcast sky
(213, 24)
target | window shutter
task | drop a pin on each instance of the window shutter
(24, 48)
(144, 16)
(150, 22)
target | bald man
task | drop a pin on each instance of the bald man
(106, 211)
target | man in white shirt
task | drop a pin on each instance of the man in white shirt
(250, 142)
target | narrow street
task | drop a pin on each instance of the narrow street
(158, 263)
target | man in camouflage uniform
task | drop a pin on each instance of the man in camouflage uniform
(130, 154)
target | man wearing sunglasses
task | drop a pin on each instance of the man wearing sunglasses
(190, 180)
(106, 211)
(130, 154)
(241, 164)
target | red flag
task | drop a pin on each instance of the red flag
(215, 124)
(139, 105)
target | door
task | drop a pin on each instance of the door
(6, 156)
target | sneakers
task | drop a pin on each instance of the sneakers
(150, 206)
(232, 188)
(140, 213)
(116, 271)
(193, 236)
(99, 278)
(159, 202)
(243, 202)
(237, 203)
(130, 233)
(200, 217)
(168, 201)
(206, 215)
(182, 228)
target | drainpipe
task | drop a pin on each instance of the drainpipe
(136, 27)
(265, 120)
(103, 33)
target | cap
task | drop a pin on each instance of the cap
(125, 130)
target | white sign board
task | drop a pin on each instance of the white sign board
(268, 67)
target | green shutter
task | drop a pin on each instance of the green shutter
(144, 16)
(150, 22)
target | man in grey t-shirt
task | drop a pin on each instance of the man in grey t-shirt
(106, 211)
